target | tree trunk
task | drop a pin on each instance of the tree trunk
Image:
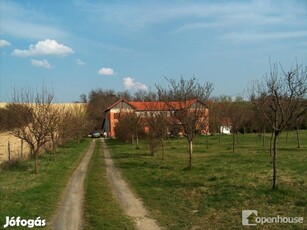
(137, 142)
(272, 135)
(78, 137)
(32, 152)
(263, 137)
(21, 149)
(64, 146)
(9, 152)
(298, 137)
(53, 145)
(153, 146)
(36, 155)
(36, 161)
(54, 151)
(163, 148)
(274, 159)
(190, 154)
(237, 137)
(233, 142)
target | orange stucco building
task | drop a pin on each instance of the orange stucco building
(113, 112)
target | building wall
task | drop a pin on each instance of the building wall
(113, 116)
(122, 107)
(106, 125)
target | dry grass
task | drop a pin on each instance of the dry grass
(3, 104)
(65, 106)
(15, 147)
(15, 143)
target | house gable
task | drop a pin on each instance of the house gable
(121, 104)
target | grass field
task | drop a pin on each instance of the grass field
(221, 184)
(102, 210)
(28, 195)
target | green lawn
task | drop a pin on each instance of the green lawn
(221, 184)
(28, 195)
(102, 210)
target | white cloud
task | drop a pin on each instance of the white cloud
(4, 43)
(106, 71)
(46, 47)
(79, 62)
(41, 63)
(130, 83)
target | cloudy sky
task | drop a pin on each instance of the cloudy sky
(74, 46)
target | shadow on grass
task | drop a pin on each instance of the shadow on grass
(18, 166)
(136, 164)
(127, 155)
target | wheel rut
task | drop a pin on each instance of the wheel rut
(132, 205)
(70, 212)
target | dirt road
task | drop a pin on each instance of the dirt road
(70, 212)
(132, 205)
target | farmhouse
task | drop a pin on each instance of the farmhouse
(225, 127)
(116, 110)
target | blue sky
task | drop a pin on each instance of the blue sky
(75, 46)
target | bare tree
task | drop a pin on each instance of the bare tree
(3, 118)
(187, 99)
(219, 115)
(157, 122)
(66, 125)
(280, 99)
(144, 95)
(8, 114)
(135, 126)
(80, 122)
(97, 102)
(83, 98)
(140, 95)
(239, 113)
(55, 118)
(33, 113)
(129, 127)
(297, 127)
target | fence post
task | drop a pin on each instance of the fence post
(9, 151)
(21, 149)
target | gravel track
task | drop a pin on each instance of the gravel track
(132, 205)
(70, 212)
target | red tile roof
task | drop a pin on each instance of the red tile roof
(160, 105)
(155, 105)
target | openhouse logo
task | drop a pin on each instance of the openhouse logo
(251, 218)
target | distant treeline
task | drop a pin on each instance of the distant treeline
(238, 113)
